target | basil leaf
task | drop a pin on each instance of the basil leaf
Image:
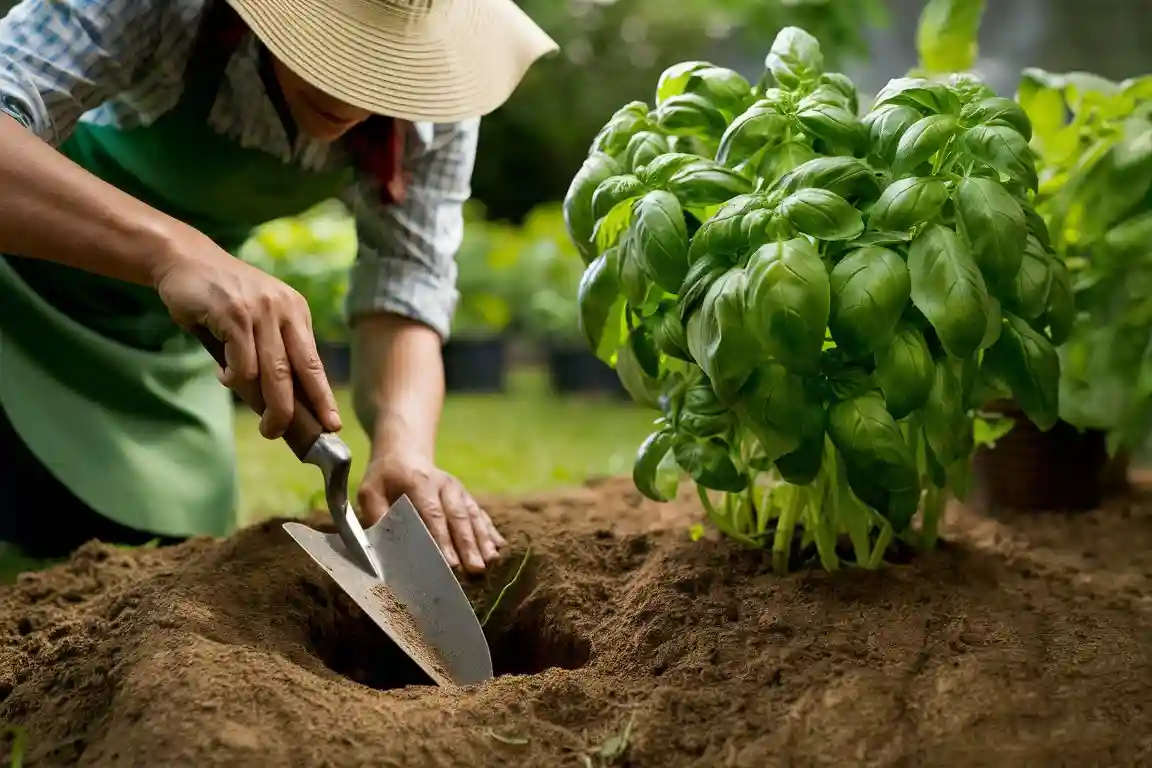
(657, 173)
(597, 292)
(998, 110)
(668, 332)
(946, 34)
(945, 415)
(690, 114)
(754, 131)
(705, 185)
(886, 126)
(718, 336)
(643, 148)
(786, 157)
(633, 281)
(723, 234)
(651, 472)
(578, 216)
(701, 275)
(822, 214)
(661, 239)
(833, 124)
(1004, 150)
(870, 288)
(845, 87)
(1061, 313)
(723, 87)
(801, 466)
(1027, 362)
(613, 191)
(703, 415)
(922, 140)
(794, 58)
(993, 224)
(709, 464)
(643, 388)
(848, 177)
(674, 79)
(949, 290)
(920, 94)
(613, 138)
(905, 371)
(1027, 295)
(779, 409)
(908, 202)
(881, 468)
(787, 303)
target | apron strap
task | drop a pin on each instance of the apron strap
(377, 145)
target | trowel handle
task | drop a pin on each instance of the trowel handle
(305, 428)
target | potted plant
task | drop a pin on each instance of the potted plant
(551, 269)
(1086, 233)
(475, 357)
(313, 253)
(1093, 141)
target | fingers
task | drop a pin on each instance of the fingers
(275, 379)
(500, 541)
(482, 528)
(456, 509)
(305, 359)
(427, 503)
(373, 505)
(235, 330)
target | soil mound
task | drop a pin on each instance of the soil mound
(1021, 642)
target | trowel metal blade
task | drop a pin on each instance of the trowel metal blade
(420, 579)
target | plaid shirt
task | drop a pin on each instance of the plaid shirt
(121, 63)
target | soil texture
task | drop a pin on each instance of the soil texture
(1022, 641)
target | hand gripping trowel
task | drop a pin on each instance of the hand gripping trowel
(393, 570)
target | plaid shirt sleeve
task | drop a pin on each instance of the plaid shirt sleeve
(407, 259)
(61, 58)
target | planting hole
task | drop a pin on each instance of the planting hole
(525, 642)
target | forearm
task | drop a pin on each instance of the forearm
(398, 382)
(52, 209)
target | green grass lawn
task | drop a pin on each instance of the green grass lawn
(525, 440)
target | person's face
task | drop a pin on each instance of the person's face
(317, 114)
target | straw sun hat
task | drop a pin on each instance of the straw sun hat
(433, 60)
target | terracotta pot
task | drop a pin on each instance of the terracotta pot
(1063, 469)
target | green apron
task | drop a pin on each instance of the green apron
(119, 403)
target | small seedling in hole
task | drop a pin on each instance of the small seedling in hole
(19, 741)
(514, 741)
(508, 586)
(612, 749)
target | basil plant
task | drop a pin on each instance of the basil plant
(817, 298)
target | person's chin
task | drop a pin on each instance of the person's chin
(324, 130)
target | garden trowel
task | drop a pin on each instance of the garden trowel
(393, 570)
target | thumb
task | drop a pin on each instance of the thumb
(373, 503)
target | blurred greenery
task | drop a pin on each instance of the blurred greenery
(312, 253)
(526, 440)
(612, 51)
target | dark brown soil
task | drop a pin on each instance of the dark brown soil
(1022, 642)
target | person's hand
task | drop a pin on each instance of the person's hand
(265, 325)
(460, 527)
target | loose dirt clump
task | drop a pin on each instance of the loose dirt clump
(1022, 642)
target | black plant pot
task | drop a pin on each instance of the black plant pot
(576, 370)
(337, 359)
(476, 365)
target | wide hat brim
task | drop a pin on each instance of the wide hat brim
(418, 60)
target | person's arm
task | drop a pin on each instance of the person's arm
(61, 58)
(401, 302)
(403, 291)
(58, 59)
